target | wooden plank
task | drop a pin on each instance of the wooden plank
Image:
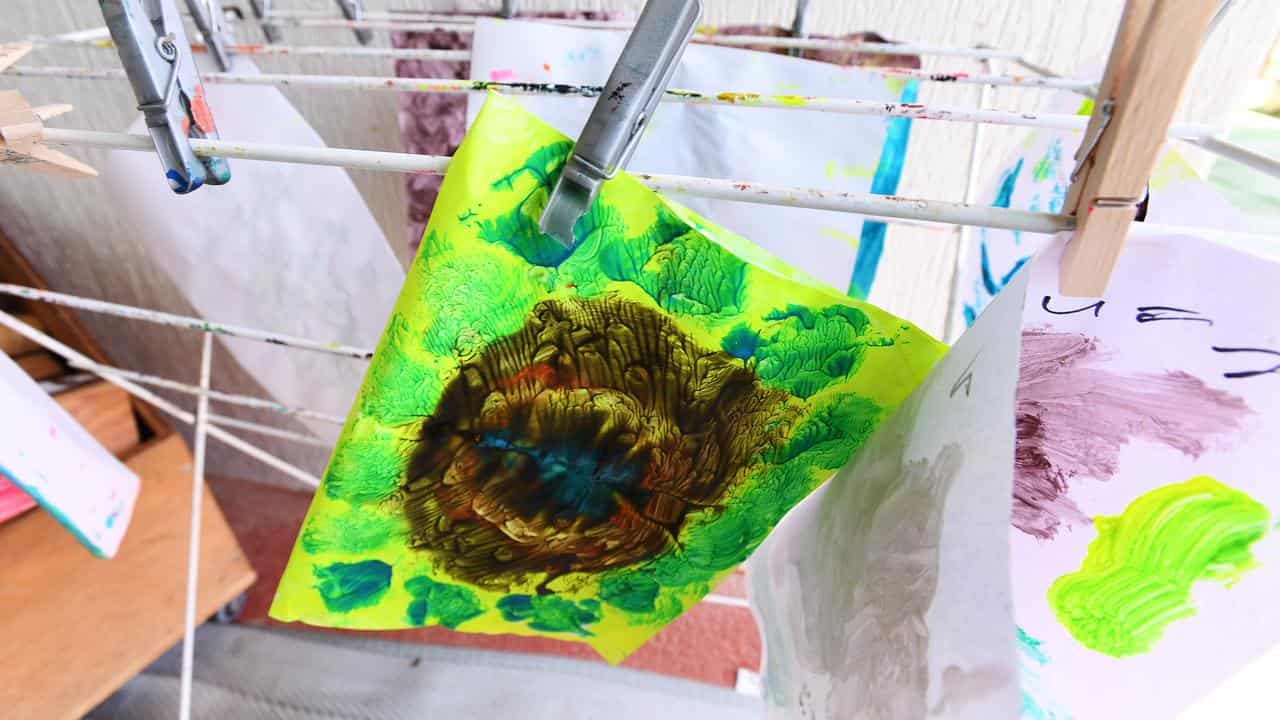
(1146, 84)
(73, 628)
(63, 325)
(105, 411)
(40, 365)
(13, 344)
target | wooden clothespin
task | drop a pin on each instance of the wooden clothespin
(11, 53)
(21, 135)
(1155, 49)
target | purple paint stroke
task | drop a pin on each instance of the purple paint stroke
(1074, 416)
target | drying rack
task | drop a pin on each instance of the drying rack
(1122, 138)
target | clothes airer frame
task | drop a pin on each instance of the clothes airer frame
(1123, 141)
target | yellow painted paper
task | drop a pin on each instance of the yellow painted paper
(581, 444)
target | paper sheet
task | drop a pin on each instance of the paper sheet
(581, 443)
(303, 256)
(886, 593)
(1037, 177)
(50, 457)
(1145, 551)
(785, 147)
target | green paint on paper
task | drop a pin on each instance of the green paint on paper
(347, 586)
(364, 471)
(581, 442)
(442, 603)
(355, 531)
(832, 233)
(551, 613)
(835, 171)
(1137, 574)
(633, 592)
(831, 434)
(1086, 107)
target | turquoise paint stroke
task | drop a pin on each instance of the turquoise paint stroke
(1033, 657)
(63, 519)
(884, 182)
(990, 284)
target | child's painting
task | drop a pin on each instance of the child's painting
(579, 443)
(1144, 547)
(49, 458)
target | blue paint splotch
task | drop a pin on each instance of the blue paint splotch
(1033, 658)
(551, 613)
(347, 586)
(990, 283)
(884, 182)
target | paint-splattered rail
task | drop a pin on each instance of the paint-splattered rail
(181, 321)
(90, 39)
(450, 85)
(706, 34)
(215, 395)
(465, 55)
(160, 403)
(882, 206)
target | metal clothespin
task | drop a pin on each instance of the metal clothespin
(157, 57)
(624, 108)
(209, 20)
(21, 135)
(799, 25)
(354, 10)
(262, 11)
(508, 9)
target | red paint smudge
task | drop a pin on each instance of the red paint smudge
(540, 374)
(546, 67)
(200, 111)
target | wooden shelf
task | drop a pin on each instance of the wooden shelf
(74, 628)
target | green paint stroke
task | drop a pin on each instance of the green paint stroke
(347, 586)
(364, 471)
(551, 613)
(355, 531)
(1137, 574)
(442, 603)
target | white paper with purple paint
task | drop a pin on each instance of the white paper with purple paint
(1125, 406)
(47, 454)
(885, 594)
(786, 147)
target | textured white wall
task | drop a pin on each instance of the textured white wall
(81, 245)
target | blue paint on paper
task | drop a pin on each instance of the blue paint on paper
(990, 283)
(884, 182)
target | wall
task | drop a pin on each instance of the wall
(76, 240)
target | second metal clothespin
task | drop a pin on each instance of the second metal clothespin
(353, 10)
(209, 18)
(799, 26)
(262, 11)
(615, 126)
(157, 57)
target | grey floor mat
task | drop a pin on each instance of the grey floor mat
(253, 673)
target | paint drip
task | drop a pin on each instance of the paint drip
(1074, 416)
(1137, 574)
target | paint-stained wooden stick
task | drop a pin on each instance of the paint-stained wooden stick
(1151, 61)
